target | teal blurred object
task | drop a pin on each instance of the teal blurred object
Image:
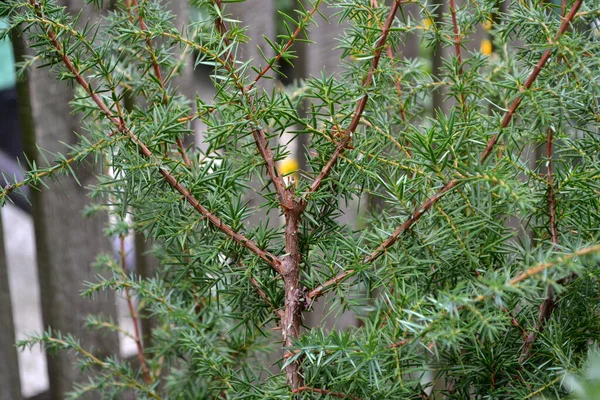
(7, 62)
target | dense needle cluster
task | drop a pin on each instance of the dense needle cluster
(473, 270)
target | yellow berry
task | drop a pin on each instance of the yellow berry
(288, 166)
(486, 47)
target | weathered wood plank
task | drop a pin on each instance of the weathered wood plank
(10, 386)
(67, 243)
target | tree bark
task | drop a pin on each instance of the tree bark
(294, 295)
(67, 243)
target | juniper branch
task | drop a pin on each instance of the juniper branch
(272, 260)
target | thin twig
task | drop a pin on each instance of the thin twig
(457, 48)
(327, 285)
(414, 217)
(284, 195)
(259, 135)
(272, 260)
(286, 47)
(541, 267)
(560, 260)
(159, 78)
(134, 316)
(390, 55)
(426, 205)
(547, 306)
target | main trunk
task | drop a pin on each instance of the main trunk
(294, 296)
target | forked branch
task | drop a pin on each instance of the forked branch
(272, 260)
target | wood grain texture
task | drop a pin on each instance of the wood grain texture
(67, 243)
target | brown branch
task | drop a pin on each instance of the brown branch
(532, 77)
(457, 48)
(272, 260)
(546, 265)
(285, 196)
(220, 23)
(406, 225)
(325, 286)
(551, 195)
(259, 135)
(286, 47)
(223, 29)
(547, 306)
(144, 27)
(425, 206)
(160, 80)
(360, 107)
(323, 392)
(390, 54)
(134, 316)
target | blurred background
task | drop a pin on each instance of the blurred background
(49, 246)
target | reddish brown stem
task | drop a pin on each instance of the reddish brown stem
(551, 196)
(560, 260)
(360, 107)
(549, 302)
(325, 286)
(134, 317)
(155, 65)
(222, 29)
(324, 392)
(285, 196)
(532, 77)
(425, 206)
(294, 296)
(547, 306)
(457, 47)
(272, 260)
(406, 225)
(220, 24)
(260, 137)
(390, 55)
(286, 47)
(159, 78)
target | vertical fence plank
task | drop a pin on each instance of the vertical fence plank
(10, 386)
(67, 243)
(258, 17)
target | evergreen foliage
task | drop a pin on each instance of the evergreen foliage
(477, 271)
